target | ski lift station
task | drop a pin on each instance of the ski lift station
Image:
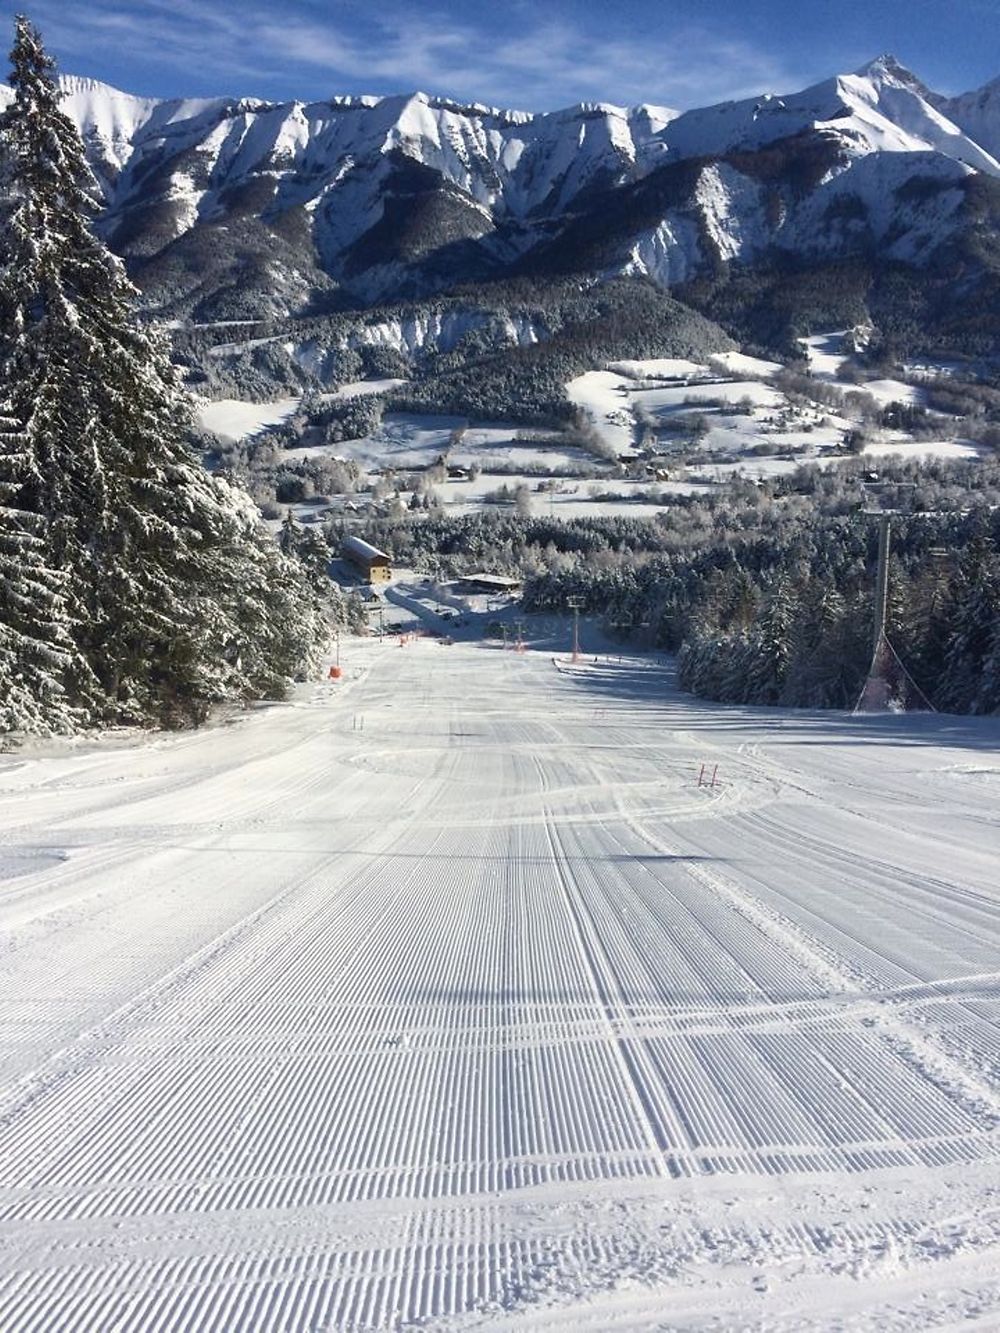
(373, 565)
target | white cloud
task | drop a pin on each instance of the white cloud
(231, 45)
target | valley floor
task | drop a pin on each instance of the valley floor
(446, 997)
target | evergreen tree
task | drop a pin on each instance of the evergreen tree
(968, 684)
(770, 643)
(172, 598)
(925, 625)
(37, 652)
(987, 698)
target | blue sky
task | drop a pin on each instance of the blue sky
(539, 55)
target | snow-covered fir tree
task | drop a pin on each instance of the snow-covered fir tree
(160, 575)
(969, 680)
(37, 653)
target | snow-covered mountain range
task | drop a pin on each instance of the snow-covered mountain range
(225, 206)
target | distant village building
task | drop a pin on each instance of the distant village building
(487, 583)
(373, 565)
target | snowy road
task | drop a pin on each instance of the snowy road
(446, 998)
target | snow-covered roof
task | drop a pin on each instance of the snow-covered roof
(363, 550)
(491, 580)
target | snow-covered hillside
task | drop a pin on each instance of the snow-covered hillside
(978, 114)
(389, 194)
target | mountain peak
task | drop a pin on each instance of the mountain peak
(73, 83)
(887, 69)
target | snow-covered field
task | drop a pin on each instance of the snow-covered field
(445, 997)
(570, 499)
(738, 363)
(825, 353)
(361, 389)
(825, 356)
(233, 419)
(950, 450)
(603, 396)
(661, 367)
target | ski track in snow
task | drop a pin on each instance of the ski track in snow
(444, 997)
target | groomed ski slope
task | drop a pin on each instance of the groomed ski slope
(445, 998)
